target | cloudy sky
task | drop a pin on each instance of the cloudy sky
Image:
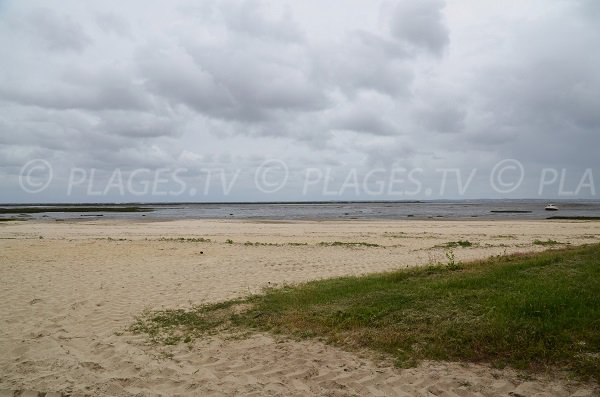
(337, 99)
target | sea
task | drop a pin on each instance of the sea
(338, 210)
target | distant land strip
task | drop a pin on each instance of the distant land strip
(577, 218)
(37, 210)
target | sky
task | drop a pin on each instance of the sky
(251, 100)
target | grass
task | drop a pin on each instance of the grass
(548, 242)
(529, 311)
(510, 236)
(186, 240)
(459, 243)
(347, 244)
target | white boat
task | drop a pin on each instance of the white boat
(551, 207)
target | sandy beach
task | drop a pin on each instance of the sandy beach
(70, 290)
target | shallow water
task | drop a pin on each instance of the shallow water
(472, 209)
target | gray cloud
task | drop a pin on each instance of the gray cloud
(440, 114)
(420, 23)
(56, 32)
(389, 154)
(245, 78)
(128, 84)
(79, 89)
(363, 61)
(248, 18)
(545, 98)
(112, 23)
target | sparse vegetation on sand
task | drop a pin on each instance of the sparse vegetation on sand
(459, 243)
(186, 239)
(347, 244)
(548, 242)
(529, 311)
(263, 244)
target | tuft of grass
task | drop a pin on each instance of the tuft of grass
(229, 241)
(459, 243)
(116, 239)
(347, 244)
(528, 311)
(546, 243)
(170, 327)
(186, 240)
(258, 244)
(261, 244)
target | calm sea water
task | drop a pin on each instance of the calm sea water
(475, 209)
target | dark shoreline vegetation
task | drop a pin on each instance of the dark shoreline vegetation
(38, 210)
(530, 311)
(576, 218)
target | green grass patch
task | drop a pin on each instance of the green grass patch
(258, 244)
(170, 327)
(459, 243)
(347, 244)
(548, 242)
(186, 239)
(263, 244)
(528, 311)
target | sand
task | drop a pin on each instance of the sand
(70, 290)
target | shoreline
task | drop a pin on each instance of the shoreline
(486, 210)
(144, 219)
